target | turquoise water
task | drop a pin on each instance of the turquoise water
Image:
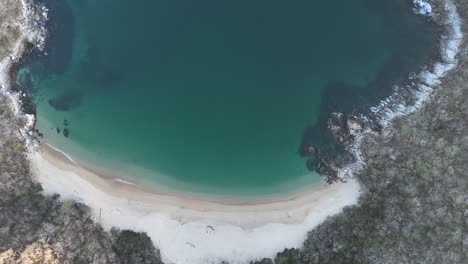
(215, 96)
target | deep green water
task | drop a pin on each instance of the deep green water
(215, 96)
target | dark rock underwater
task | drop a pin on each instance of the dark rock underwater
(413, 208)
(246, 136)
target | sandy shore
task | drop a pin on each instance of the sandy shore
(205, 231)
(201, 231)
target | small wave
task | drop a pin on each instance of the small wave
(408, 99)
(32, 31)
(63, 153)
(403, 101)
(126, 182)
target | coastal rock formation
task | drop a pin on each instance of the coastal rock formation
(413, 208)
(35, 228)
(405, 99)
(344, 131)
(39, 229)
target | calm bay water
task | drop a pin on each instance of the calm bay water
(215, 96)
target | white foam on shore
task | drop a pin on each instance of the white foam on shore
(63, 153)
(183, 234)
(5, 87)
(393, 106)
(32, 31)
(127, 182)
(390, 108)
(422, 7)
(196, 231)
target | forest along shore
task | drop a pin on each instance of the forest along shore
(425, 127)
(245, 223)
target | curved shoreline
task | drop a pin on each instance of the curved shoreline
(185, 191)
(32, 31)
(144, 219)
(411, 98)
(134, 191)
(204, 230)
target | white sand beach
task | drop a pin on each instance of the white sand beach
(192, 230)
(188, 230)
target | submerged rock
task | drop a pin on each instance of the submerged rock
(67, 101)
(66, 132)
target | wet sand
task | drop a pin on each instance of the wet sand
(202, 229)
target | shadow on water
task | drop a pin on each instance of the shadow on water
(105, 77)
(53, 60)
(60, 38)
(67, 101)
(56, 59)
(59, 51)
(408, 56)
(414, 45)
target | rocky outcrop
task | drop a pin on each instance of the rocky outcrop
(345, 131)
(413, 208)
(414, 205)
(38, 229)
(35, 228)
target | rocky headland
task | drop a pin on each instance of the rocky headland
(415, 204)
(413, 208)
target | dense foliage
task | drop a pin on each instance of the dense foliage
(415, 202)
(413, 208)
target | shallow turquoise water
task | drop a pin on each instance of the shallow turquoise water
(214, 96)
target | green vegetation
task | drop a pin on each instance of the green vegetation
(413, 208)
(39, 229)
(10, 25)
(17, 148)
